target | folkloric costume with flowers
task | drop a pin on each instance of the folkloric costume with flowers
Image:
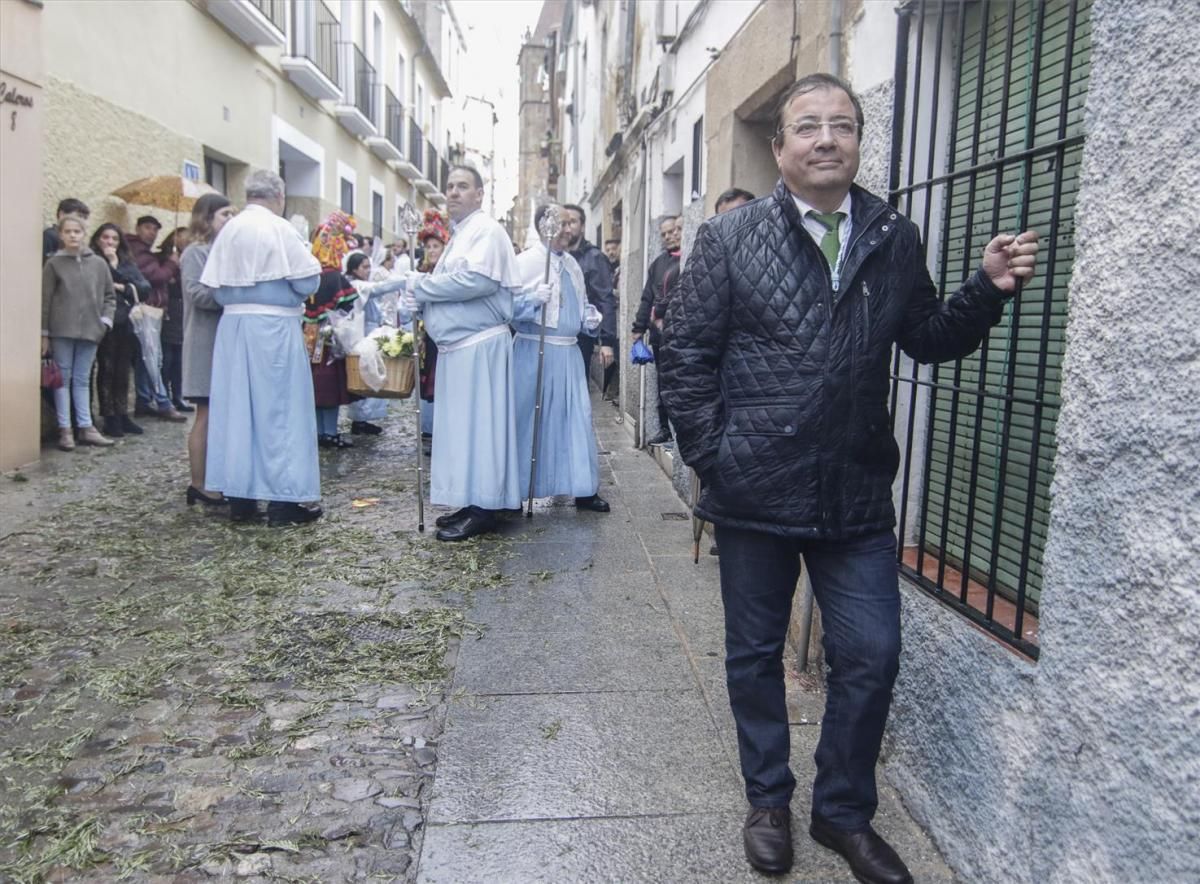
(334, 293)
(261, 427)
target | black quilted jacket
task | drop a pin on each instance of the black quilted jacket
(778, 386)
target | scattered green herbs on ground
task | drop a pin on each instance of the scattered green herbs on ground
(127, 600)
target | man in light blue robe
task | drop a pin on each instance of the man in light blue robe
(262, 434)
(467, 307)
(567, 458)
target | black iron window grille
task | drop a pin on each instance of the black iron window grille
(416, 145)
(987, 138)
(363, 73)
(393, 119)
(273, 10)
(315, 37)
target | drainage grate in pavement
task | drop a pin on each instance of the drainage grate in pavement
(675, 517)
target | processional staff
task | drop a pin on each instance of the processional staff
(549, 228)
(411, 221)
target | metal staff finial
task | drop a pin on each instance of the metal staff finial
(410, 220)
(551, 224)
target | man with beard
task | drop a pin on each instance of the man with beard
(597, 274)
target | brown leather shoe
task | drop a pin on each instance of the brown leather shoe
(871, 859)
(767, 837)
(91, 436)
(66, 439)
(170, 414)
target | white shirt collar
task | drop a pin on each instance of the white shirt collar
(805, 208)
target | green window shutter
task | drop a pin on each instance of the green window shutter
(952, 512)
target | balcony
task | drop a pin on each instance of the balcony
(313, 63)
(390, 145)
(254, 22)
(356, 110)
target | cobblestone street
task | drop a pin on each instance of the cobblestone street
(187, 699)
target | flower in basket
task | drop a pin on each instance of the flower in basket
(398, 345)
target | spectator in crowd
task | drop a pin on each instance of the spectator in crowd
(201, 314)
(612, 251)
(262, 439)
(50, 239)
(364, 412)
(732, 199)
(172, 327)
(401, 263)
(152, 398)
(597, 273)
(334, 293)
(78, 305)
(776, 366)
(119, 348)
(663, 269)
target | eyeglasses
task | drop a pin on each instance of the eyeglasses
(807, 129)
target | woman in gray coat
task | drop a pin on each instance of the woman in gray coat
(201, 313)
(78, 303)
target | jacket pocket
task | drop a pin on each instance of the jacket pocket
(773, 417)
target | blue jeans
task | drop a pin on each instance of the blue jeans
(856, 586)
(327, 419)
(148, 385)
(74, 357)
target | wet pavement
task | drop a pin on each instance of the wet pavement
(182, 699)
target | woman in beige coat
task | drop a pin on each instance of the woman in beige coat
(78, 303)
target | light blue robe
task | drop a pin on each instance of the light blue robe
(475, 455)
(262, 429)
(567, 459)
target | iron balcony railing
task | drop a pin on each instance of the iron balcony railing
(364, 82)
(431, 162)
(393, 119)
(317, 38)
(443, 176)
(274, 11)
(416, 144)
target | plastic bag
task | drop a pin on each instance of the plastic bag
(146, 322)
(371, 367)
(388, 304)
(640, 354)
(347, 330)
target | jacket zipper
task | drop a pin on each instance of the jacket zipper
(866, 318)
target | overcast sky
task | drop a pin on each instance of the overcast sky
(493, 30)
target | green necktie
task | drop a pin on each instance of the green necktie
(830, 244)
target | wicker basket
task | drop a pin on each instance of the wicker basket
(397, 384)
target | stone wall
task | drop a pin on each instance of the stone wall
(1084, 766)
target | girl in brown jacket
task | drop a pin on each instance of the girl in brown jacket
(78, 303)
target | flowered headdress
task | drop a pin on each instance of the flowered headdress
(434, 226)
(329, 244)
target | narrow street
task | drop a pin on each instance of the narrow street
(186, 699)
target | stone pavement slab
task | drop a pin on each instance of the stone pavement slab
(589, 736)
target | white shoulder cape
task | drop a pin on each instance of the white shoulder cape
(254, 246)
(480, 245)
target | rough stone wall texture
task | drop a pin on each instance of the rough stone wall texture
(1084, 765)
(93, 147)
(877, 138)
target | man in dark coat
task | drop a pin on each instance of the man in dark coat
(649, 317)
(597, 276)
(775, 368)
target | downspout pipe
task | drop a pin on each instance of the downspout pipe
(836, 14)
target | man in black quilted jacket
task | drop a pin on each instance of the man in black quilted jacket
(775, 372)
(652, 307)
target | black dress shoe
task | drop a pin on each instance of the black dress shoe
(280, 514)
(182, 406)
(242, 509)
(662, 437)
(113, 428)
(478, 521)
(871, 859)
(129, 426)
(767, 837)
(713, 551)
(326, 441)
(195, 495)
(452, 518)
(365, 428)
(595, 504)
